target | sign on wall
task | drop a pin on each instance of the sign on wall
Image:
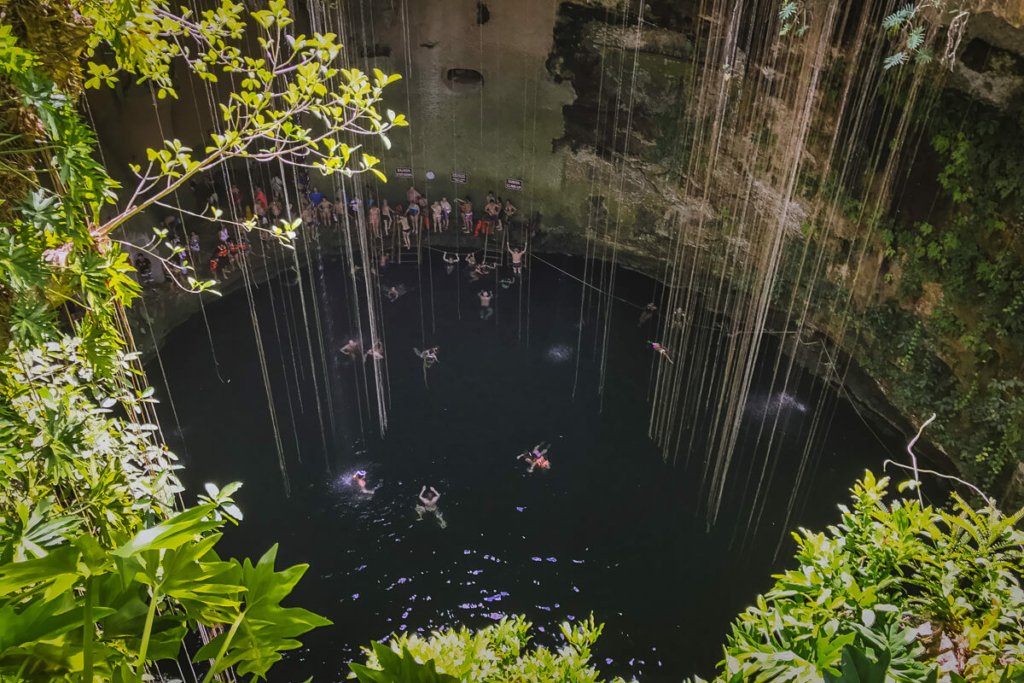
(459, 178)
(514, 184)
(403, 172)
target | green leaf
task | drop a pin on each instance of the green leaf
(399, 668)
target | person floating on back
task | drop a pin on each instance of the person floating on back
(662, 350)
(359, 480)
(537, 457)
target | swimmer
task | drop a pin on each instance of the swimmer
(351, 348)
(648, 313)
(392, 293)
(486, 312)
(450, 261)
(537, 457)
(359, 479)
(662, 350)
(428, 503)
(428, 498)
(517, 259)
(429, 356)
(376, 352)
(480, 270)
(678, 317)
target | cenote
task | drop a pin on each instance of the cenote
(611, 529)
(704, 318)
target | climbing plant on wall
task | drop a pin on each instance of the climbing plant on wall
(103, 567)
(969, 257)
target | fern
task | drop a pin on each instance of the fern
(924, 56)
(915, 39)
(788, 11)
(895, 60)
(899, 17)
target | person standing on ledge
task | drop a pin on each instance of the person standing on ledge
(446, 213)
(509, 210)
(388, 217)
(466, 207)
(375, 220)
(435, 209)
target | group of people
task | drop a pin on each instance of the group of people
(428, 498)
(214, 197)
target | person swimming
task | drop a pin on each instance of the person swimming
(359, 480)
(537, 457)
(352, 348)
(662, 350)
(428, 503)
(428, 356)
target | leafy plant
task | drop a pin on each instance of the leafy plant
(495, 654)
(793, 18)
(103, 571)
(876, 597)
(911, 30)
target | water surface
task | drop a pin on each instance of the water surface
(610, 529)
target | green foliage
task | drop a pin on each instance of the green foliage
(909, 30)
(496, 654)
(399, 668)
(973, 254)
(102, 573)
(793, 18)
(80, 611)
(884, 593)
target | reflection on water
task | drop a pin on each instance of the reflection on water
(610, 529)
(559, 353)
(763, 405)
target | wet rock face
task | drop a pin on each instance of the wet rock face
(622, 68)
(1009, 11)
(991, 64)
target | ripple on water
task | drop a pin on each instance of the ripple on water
(558, 353)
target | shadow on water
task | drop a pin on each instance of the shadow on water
(610, 529)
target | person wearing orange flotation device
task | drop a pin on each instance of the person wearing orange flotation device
(537, 457)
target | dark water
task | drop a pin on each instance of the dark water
(609, 529)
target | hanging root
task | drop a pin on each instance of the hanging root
(917, 471)
(954, 35)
